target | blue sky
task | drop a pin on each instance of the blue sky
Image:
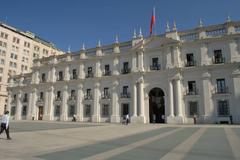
(72, 22)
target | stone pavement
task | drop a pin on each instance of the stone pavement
(90, 141)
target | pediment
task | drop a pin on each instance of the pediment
(157, 42)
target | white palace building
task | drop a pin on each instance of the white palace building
(169, 78)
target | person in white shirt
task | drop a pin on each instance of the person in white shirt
(127, 119)
(5, 124)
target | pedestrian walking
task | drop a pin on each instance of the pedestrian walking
(127, 119)
(5, 124)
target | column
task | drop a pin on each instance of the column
(115, 117)
(141, 98)
(33, 103)
(134, 99)
(66, 74)
(204, 54)
(140, 60)
(19, 106)
(64, 105)
(53, 75)
(170, 94)
(179, 118)
(36, 77)
(9, 101)
(29, 109)
(115, 66)
(234, 109)
(134, 63)
(81, 73)
(79, 103)
(98, 69)
(50, 103)
(45, 108)
(206, 110)
(96, 105)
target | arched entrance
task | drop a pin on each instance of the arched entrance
(156, 106)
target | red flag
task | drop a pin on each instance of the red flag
(153, 20)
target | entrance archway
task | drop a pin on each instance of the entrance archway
(156, 106)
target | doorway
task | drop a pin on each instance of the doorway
(156, 106)
(40, 113)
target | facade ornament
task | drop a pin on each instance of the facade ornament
(140, 80)
(134, 34)
(83, 47)
(228, 18)
(200, 22)
(116, 39)
(99, 43)
(174, 26)
(69, 49)
(140, 33)
(206, 75)
(167, 27)
(80, 86)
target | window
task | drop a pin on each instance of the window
(155, 61)
(24, 111)
(60, 75)
(218, 57)
(45, 52)
(73, 93)
(43, 79)
(221, 86)
(41, 95)
(25, 97)
(71, 111)
(107, 71)
(2, 61)
(155, 65)
(87, 110)
(36, 48)
(190, 60)
(223, 108)
(89, 72)
(88, 92)
(125, 93)
(57, 111)
(105, 110)
(27, 44)
(3, 44)
(58, 95)
(192, 89)
(2, 53)
(125, 89)
(4, 35)
(193, 108)
(0, 79)
(125, 69)
(1, 70)
(105, 93)
(16, 40)
(74, 74)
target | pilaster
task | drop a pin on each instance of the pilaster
(115, 117)
(96, 110)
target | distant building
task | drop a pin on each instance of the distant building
(170, 78)
(18, 49)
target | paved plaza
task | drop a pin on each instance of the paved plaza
(90, 141)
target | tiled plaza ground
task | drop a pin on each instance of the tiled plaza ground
(74, 141)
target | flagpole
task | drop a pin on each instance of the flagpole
(155, 33)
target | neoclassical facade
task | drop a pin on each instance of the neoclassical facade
(169, 78)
